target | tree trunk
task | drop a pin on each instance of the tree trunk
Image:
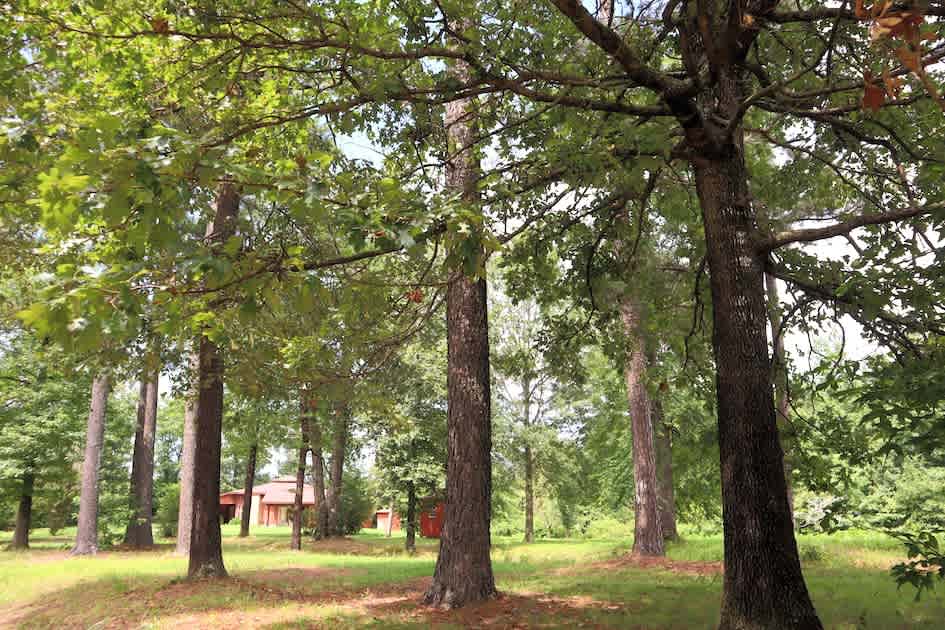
(647, 531)
(411, 544)
(529, 465)
(248, 491)
(86, 538)
(185, 515)
(339, 445)
(318, 473)
(206, 554)
(666, 495)
(781, 391)
(24, 514)
(764, 586)
(463, 571)
(299, 505)
(139, 533)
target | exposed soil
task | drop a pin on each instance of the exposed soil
(631, 561)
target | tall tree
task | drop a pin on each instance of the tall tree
(663, 445)
(185, 519)
(86, 538)
(206, 553)
(298, 505)
(24, 514)
(139, 532)
(340, 418)
(248, 489)
(647, 530)
(463, 571)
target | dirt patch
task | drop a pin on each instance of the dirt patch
(342, 546)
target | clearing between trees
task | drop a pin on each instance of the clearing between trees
(368, 581)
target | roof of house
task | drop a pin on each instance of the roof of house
(280, 491)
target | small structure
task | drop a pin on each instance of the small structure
(432, 512)
(272, 502)
(387, 517)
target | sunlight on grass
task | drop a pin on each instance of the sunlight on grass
(368, 580)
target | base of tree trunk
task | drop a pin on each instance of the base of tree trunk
(458, 593)
(84, 550)
(210, 569)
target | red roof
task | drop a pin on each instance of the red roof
(280, 491)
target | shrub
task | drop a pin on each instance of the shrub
(168, 510)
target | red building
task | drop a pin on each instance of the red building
(432, 510)
(272, 502)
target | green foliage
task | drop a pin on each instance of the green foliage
(168, 509)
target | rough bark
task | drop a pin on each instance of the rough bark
(139, 532)
(463, 571)
(318, 473)
(24, 514)
(338, 448)
(86, 538)
(781, 391)
(763, 585)
(411, 544)
(206, 554)
(666, 494)
(248, 490)
(529, 464)
(298, 505)
(647, 531)
(185, 515)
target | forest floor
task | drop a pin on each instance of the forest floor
(366, 581)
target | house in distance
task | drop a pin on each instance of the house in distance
(272, 502)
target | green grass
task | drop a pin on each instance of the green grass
(368, 581)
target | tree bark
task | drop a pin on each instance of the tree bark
(299, 505)
(139, 533)
(318, 473)
(529, 464)
(764, 586)
(411, 544)
(24, 514)
(185, 515)
(463, 571)
(781, 391)
(339, 446)
(248, 491)
(206, 554)
(666, 494)
(647, 531)
(86, 539)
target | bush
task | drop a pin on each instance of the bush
(168, 510)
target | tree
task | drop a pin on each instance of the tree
(463, 571)
(206, 554)
(86, 537)
(139, 533)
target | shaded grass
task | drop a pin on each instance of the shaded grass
(369, 581)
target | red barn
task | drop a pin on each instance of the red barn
(432, 510)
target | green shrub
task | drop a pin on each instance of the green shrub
(168, 510)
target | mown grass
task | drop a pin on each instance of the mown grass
(368, 581)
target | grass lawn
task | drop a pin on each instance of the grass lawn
(367, 581)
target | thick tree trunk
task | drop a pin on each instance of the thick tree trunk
(411, 544)
(529, 463)
(647, 531)
(666, 494)
(139, 533)
(463, 571)
(86, 538)
(185, 515)
(24, 514)
(318, 473)
(764, 586)
(248, 491)
(206, 554)
(781, 391)
(339, 446)
(299, 505)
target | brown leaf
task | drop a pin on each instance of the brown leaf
(873, 95)
(160, 25)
